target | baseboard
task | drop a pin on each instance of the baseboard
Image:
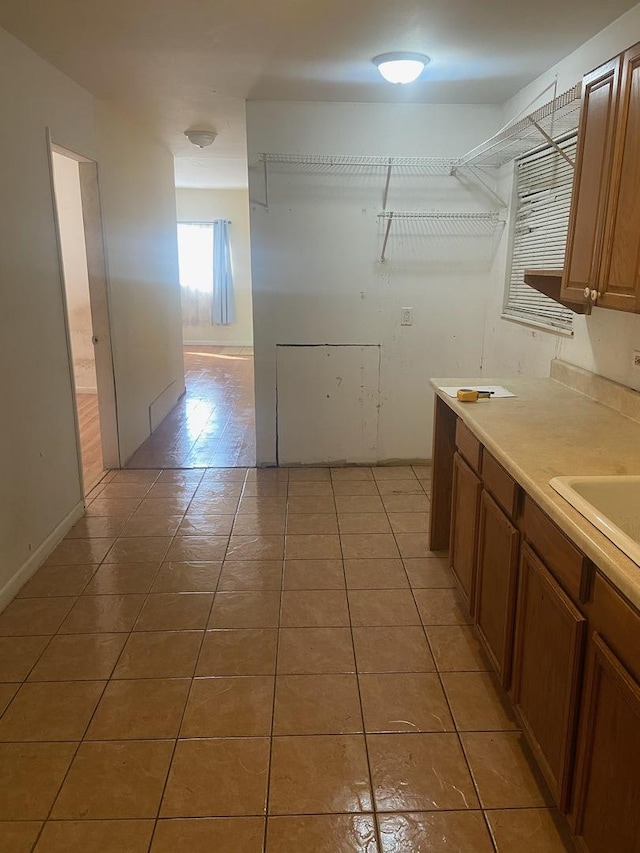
(164, 403)
(28, 569)
(81, 390)
(217, 343)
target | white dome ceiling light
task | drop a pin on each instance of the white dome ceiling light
(201, 138)
(401, 67)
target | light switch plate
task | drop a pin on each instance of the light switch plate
(407, 317)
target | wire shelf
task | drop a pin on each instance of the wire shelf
(443, 223)
(483, 216)
(442, 165)
(556, 119)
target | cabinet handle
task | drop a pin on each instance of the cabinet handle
(594, 296)
(587, 293)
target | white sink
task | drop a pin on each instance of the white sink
(612, 504)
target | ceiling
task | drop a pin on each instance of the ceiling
(178, 64)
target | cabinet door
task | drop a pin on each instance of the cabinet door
(608, 769)
(497, 570)
(592, 181)
(546, 670)
(465, 503)
(620, 285)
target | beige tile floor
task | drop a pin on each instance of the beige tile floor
(238, 661)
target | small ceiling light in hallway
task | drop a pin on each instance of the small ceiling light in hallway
(401, 67)
(200, 138)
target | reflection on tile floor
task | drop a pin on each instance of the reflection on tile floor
(199, 666)
(214, 423)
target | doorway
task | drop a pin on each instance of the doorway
(213, 425)
(83, 274)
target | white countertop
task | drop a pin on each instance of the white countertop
(549, 430)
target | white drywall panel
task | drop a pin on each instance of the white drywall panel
(139, 215)
(316, 270)
(40, 485)
(327, 398)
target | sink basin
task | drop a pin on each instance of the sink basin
(612, 504)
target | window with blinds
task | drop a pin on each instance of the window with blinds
(544, 181)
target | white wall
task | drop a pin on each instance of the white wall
(76, 277)
(603, 342)
(315, 256)
(139, 216)
(204, 206)
(40, 486)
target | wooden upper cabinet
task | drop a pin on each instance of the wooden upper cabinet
(465, 505)
(547, 663)
(620, 281)
(608, 770)
(592, 181)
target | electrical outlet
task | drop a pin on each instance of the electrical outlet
(636, 359)
(407, 317)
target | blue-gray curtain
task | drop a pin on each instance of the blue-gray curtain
(224, 309)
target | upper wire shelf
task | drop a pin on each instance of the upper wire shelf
(482, 216)
(551, 121)
(441, 163)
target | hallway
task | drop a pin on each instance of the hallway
(214, 423)
(210, 646)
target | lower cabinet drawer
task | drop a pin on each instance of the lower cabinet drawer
(618, 622)
(500, 485)
(468, 445)
(568, 565)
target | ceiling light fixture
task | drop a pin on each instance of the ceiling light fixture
(401, 67)
(200, 138)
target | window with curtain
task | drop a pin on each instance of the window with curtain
(544, 181)
(206, 273)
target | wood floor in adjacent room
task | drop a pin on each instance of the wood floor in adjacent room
(214, 423)
(90, 439)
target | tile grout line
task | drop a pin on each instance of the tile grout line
(374, 809)
(68, 770)
(275, 684)
(184, 710)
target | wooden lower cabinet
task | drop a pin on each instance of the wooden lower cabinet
(496, 578)
(547, 663)
(607, 801)
(580, 713)
(465, 505)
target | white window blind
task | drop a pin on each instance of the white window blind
(544, 184)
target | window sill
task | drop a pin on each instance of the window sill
(536, 324)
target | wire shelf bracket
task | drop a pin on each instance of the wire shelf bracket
(548, 123)
(476, 175)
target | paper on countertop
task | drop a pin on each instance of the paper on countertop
(498, 390)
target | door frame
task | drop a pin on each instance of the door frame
(99, 305)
